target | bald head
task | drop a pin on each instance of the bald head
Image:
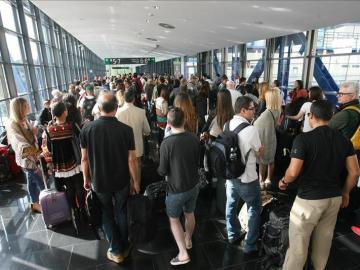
(107, 103)
(230, 85)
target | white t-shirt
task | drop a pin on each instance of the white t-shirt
(248, 140)
(305, 108)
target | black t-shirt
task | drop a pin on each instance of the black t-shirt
(179, 159)
(324, 152)
(108, 142)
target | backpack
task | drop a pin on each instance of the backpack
(355, 139)
(88, 106)
(275, 237)
(225, 154)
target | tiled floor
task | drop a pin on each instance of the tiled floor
(25, 243)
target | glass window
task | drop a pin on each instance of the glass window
(53, 77)
(8, 18)
(50, 55)
(4, 93)
(338, 39)
(15, 51)
(250, 66)
(4, 113)
(35, 51)
(42, 95)
(39, 71)
(290, 46)
(31, 27)
(20, 79)
(255, 50)
(46, 32)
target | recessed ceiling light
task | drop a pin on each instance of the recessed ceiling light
(147, 21)
(156, 7)
(151, 39)
(166, 25)
(151, 15)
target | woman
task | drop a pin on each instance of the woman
(298, 91)
(315, 93)
(120, 97)
(59, 143)
(162, 108)
(202, 104)
(183, 101)
(223, 113)
(265, 125)
(264, 86)
(21, 136)
(74, 115)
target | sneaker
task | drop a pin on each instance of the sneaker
(115, 258)
(267, 184)
(36, 207)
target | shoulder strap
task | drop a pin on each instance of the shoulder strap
(241, 127)
(353, 108)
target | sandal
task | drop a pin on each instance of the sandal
(176, 261)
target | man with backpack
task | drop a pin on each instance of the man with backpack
(318, 159)
(88, 104)
(246, 185)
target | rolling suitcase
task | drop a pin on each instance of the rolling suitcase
(54, 205)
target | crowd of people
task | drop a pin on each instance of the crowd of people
(92, 138)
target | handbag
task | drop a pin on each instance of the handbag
(93, 209)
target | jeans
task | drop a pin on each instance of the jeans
(34, 184)
(250, 193)
(114, 219)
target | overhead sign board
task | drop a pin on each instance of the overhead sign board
(131, 61)
(120, 67)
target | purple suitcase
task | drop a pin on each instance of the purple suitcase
(55, 207)
(54, 204)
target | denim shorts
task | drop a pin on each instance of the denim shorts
(176, 203)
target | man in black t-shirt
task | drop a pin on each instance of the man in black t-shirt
(318, 158)
(108, 161)
(179, 159)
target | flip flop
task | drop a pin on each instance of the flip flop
(176, 261)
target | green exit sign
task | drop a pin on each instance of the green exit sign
(127, 61)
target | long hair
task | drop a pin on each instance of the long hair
(264, 86)
(273, 99)
(224, 108)
(183, 101)
(17, 109)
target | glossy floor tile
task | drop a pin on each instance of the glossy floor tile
(25, 243)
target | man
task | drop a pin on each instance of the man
(45, 115)
(179, 157)
(230, 85)
(108, 161)
(136, 119)
(347, 120)
(318, 169)
(223, 80)
(247, 186)
(87, 103)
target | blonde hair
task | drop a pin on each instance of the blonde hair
(273, 99)
(17, 109)
(264, 86)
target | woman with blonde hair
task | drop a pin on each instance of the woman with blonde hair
(265, 125)
(21, 136)
(183, 101)
(264, 86)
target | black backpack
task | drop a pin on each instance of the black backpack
(275, 238)
(88, 106)
(225, 154)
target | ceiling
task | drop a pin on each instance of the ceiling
(121, 28)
